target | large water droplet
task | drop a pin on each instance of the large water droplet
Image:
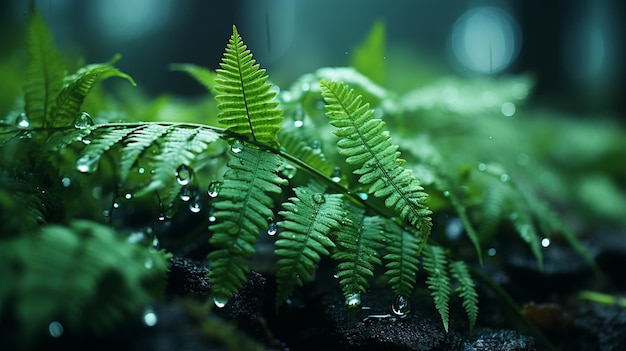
(150, 317)
(353, 300)
(220, 302)
(55, 329)
(336, 175)
(195, 205)
(22, 121)
(319, 198)
(183, 174)
(214, 188)
(545, 242)
(272, 229)
(87, 163)
(237, 146)
(400, 306)
(83, 121)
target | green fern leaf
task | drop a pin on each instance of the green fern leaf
(71, 97)
(103, 138)
(525, 227)
(309, 220)
(246, 103)
(366, 144)
(137, 143)
(466, 290)
(358, 243)
(242, 209)
(204, 76)
(402, 258)
(45, 70)
(438, 281)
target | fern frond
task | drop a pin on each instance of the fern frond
(438, 282)
(402, 258)
(366, 144)
(136, 144)
(203, 75)
(246, 103)
(523, 223)
(466, 290)
(310, 220)
(358, 243)
(293, 144)
(102, 140)
(45, 70)
(242, 209)
(70, 98)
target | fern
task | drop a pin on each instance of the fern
(244, 96)
(203, 75)
(365, 143)
(242, 209)
(466, 289)
(309, 221)
(402, 258)
(438, 281)
(44, 73)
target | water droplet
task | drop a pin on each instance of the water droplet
(148, 263)
(66, 182)
(508, 109)
(504, 177)
(400, 306)
(336, 175)
(363, 196)
(128, 196)
(336, 275)
(482, 167)
(141, 170)
(183, 174)
(87, 163)
(22, 121)
(545, 242)
(491, 251)
(187, 192)
(214, 188)
(220, 302)
(237, 146)
(316, 147)
(83, 121)
(161, 215)
(150, 318)
(55, 329)
(271, 227)
(353, 300)
(155, 243)
(195, 205)
(116, 205)
(522, 159)
(305, 87)
(454, 228)
(319, 198)
(298, 123)
(446, 193)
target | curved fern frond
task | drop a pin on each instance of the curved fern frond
(310, 220)
(438, 282)
(70, 98)
(137, 143)
(402, 258)
(358, 243)
(242, 209)
(45, 70)
(366, 144)
(246, 103)
(466, 290)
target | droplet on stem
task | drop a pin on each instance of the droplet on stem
(183, 174)
(214, 188)
(87, 163)
(237, 146)
(83, 121)
(195, 205)
(22, 121)
(272, 229)
(336, 175)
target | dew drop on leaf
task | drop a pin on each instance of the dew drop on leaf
(195, 205)
(183, 174)
(186, 193)
(316, 147)
(336, 175)
(363, 196)
(400, 306)
(87, 163)
(214, 188)
(219, 302)
(155, 243)
(353, 300)
(272, 229)
(319, 198)
(66, 181)
(150, 318)
(237, 146)
(83, 121)
(22, 121)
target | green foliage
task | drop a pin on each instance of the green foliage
(314, 164)
(71, 275)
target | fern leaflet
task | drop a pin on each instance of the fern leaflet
(44, 73)
(203, 75)
(402, 262)
(310, 219)
(364, 141)
(242, 209)
(466, 290)
(245, 99)
(438, 281)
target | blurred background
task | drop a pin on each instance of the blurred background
(574, 49)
